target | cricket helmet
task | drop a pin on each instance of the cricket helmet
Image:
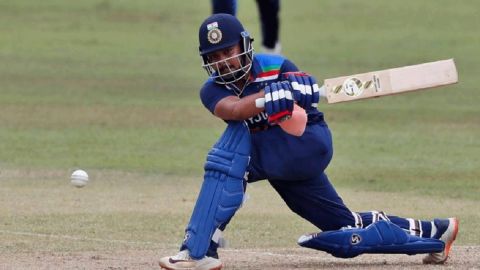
(221, 31)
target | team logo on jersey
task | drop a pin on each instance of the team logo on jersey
(214, 35)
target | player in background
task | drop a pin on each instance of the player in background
(254, 148)
(269, 17)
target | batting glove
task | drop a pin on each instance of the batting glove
(278, 102)
(304, 89)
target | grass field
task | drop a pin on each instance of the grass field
(111, 86)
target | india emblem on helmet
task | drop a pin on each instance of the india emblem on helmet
(214, 35)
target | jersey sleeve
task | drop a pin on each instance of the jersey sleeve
(211, 93)
(288, 66)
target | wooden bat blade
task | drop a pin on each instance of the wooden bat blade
(391, 81)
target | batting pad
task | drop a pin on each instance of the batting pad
(222, 189)
(379, 237)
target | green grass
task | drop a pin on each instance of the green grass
(112, 87)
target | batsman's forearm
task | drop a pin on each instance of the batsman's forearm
(239, 108)
(246, 108)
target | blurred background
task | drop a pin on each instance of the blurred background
(112, 87)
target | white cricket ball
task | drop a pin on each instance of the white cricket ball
(79, 178)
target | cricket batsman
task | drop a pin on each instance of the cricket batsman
(254, 147)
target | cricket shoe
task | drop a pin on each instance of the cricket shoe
(447, 230)
(183, 261)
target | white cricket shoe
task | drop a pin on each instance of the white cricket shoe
(447, 230)
(183, 261)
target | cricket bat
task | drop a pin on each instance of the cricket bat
(387, 82)
(390, 81)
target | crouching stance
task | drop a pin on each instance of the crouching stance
(293, 163)
(220, 197)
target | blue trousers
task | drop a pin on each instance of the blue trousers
(316, 201)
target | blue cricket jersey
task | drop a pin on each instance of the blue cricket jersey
(277, 155)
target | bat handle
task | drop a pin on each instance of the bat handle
(260, 102)
(322, 91)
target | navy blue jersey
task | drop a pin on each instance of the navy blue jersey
(275, 153)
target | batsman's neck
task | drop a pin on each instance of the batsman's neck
(242, 83)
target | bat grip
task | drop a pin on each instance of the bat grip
(260, 102)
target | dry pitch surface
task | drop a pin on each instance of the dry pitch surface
(462, 257)
(138, 252)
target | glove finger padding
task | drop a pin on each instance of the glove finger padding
(305, 89)
(278, 102)
(307, 98)
(269, 109)
(282, 102)
(288, 96)
(315, 92)
(297, 87)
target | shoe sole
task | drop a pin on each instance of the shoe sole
(164, 267)
(167, 268)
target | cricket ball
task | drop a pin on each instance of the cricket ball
(79, 178)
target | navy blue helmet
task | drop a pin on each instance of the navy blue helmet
(221, 31)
